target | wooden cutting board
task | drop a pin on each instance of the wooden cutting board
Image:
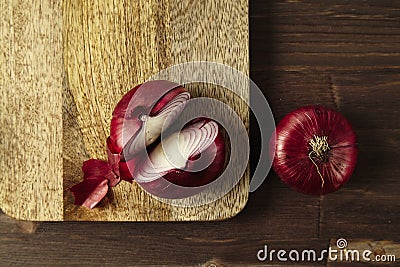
(83, 56)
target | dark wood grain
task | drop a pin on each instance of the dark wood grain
(341, 54)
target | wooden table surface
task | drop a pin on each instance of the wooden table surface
(344, 55)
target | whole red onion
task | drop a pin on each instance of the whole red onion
(315, 150)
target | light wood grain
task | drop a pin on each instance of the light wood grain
(30, 121)
(109, 48)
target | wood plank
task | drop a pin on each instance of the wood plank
(329, 61)
(30, 120)
(369, 99)
(131, 248)
(364, 36)
(121, 45)
(371, 15)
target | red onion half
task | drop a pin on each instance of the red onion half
(139, 118)
(315, 150)
(137, 122)
(185, 161)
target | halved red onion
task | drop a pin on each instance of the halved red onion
(316, 150)
(139, 118)
(137, 122)
(191, 158)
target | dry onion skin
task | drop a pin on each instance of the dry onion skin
(316, 150)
